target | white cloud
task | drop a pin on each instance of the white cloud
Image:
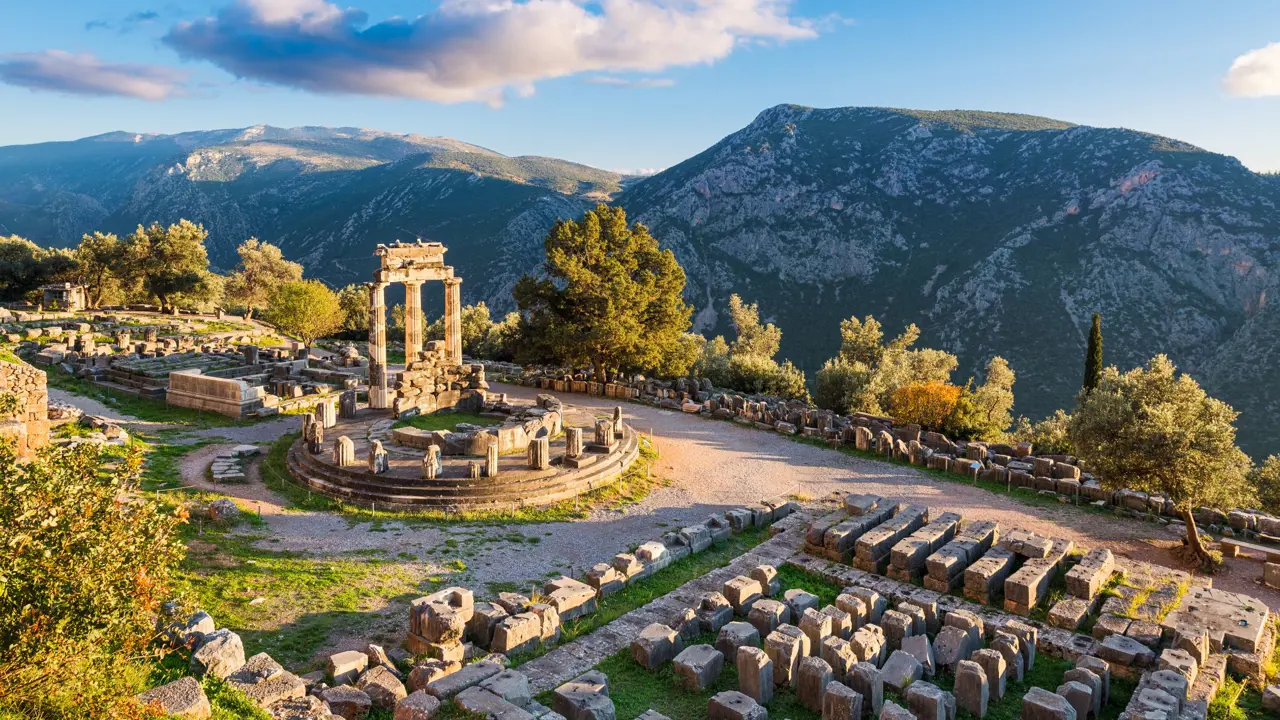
(60, 71)
(1255, 73)
(475, 50)
(611, 81)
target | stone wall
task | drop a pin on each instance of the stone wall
(29, 429)
(1014, 465)
(233, 398)
(434, 381)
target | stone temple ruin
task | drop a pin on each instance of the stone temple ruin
(529, 455)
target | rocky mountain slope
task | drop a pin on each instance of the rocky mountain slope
(996, 233)
(327, 196)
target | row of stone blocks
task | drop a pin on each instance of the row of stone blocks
(838, 649)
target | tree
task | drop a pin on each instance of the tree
(1154, 430)
(25, 266)
(1265, 480)
(608, 297)
(1049, 436)
(475, 323)
(171, 263)
(502, 339)
(985, 412)
(82, 578)
(929, 404)
(1093, 355)
(99, 258)
(262, 269)
(306, 310)
(865, 373)
(752, 338)
(354, 300)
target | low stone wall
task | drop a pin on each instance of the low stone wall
(1014, 464)
(233, 398)
(29, 428)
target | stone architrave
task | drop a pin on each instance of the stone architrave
(540, 454)
(344, 452)
(378, 347)
(431, 463)
(573, 442)
(377, 458)
(491, 460)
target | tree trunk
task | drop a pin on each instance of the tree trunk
(248, 312)
(1193, 535)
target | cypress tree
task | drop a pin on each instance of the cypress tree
(1093, 355)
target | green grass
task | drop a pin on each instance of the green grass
(634, 485)
(7, 355)
(643, 592)
(144, 409)
(634, 690)
(305, 599)
(445, 421)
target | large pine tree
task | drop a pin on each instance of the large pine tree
(1093, 355)
(608, 298)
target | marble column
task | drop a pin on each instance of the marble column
(412, 321)
(378, 347)
(453, 320)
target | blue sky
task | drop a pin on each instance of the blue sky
(631, 84)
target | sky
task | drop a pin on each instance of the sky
(633, 85)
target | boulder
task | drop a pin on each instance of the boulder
(183, 698)
(900, 670)
(697, 666)
(733, 705)
(657, 645)
(382, 686)
(220, 654)
(347, 702)
(418, 705)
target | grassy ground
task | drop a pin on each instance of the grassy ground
(1241, 699)
(144, 409)
(445, 421)
(631, 488)
(645, 591)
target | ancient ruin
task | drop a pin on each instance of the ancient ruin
(529, 455)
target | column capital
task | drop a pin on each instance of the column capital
(413, 283)
(453, 281)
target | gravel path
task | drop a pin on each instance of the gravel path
(711, 466)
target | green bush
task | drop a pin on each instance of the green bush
(87, 562)
(764, 375)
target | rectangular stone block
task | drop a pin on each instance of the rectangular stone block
(984, 579)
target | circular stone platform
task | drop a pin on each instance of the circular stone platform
(403, 487)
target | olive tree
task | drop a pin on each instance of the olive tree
(1154, 430)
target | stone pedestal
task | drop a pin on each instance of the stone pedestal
(573, 442)
(491, 460)
(326, 413)
(540, 454)
(431, 463)
(347, 404)
(344, 452)
(377, 458)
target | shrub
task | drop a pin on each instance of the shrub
(929, 404)
(1049, 436)
(1265, 480)
(765, 376)
(85, 567)
(838, 384)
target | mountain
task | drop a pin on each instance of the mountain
(995, 233)
(326, 196)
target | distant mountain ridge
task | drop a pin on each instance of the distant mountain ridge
(996, 233)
